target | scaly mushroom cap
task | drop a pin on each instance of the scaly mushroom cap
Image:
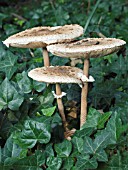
(42, 36)
(57, 74)
(87, 48)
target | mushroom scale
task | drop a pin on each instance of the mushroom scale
(87, 48)
(38, 37)
(57, 74)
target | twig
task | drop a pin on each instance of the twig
(88, 7)
(18, 16)
(54, 10)
(91, 15)
(98, 33)
(32, 54)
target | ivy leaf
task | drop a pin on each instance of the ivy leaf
(53, 163)
(103, 93)
(33, 162)
(39, 86)
(119, 66)
(113, 127)
(92, 119)
(88, 145)
(118, 162)
(11, 150)
(8, 65)
(56, 61)
(24, 82)
(68, 163)
(33, 131)
(2, 17)
(102, 119)
(49, 150)
(78, 144)
(84, 162)
(96, 147)
(63, 149)
(9, 96)
(101, 141)
(2, 51)
(84, 132)
(101, 156)
(48, 111)
(47, 98)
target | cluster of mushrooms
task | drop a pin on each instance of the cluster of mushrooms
(60, 41)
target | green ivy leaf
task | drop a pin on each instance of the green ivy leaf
(9, 96)
(102, 119)
(33, 162)
(88, 146)
(2, 17)
(24, 82)
(2, 51)
(56, 61)
(63, 149)
(47, 98)
(8, 65)
(11, 150)
(118, 162)
(96, 147)
(53, 163)
(92, 119)
(119, 66)
(33, 131)
(113, 127)
(78, 144)
(84, 162)
(101, 141)
(49, 150)
(39, 86)
(101, 156)
(67, 163)
(84, 132)
(48, 111)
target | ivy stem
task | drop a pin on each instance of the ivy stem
(84, 94)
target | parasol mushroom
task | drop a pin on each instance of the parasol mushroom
(86, 48)
(40, 37)
(58, 74)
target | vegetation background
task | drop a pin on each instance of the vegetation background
(31, 133)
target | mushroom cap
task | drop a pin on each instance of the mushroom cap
(38, 37)
(87, 48)
(57, 74)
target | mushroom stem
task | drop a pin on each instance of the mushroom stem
(46, 57)
(61, 107)
(84, 94)
(58, 91)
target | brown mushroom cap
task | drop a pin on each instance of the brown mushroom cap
(87, 48)
(42, 36)
(57, 74)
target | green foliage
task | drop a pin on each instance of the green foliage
(8, 65)
(63, 149)
(31, 132)
(48, 111)
(9, 97)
